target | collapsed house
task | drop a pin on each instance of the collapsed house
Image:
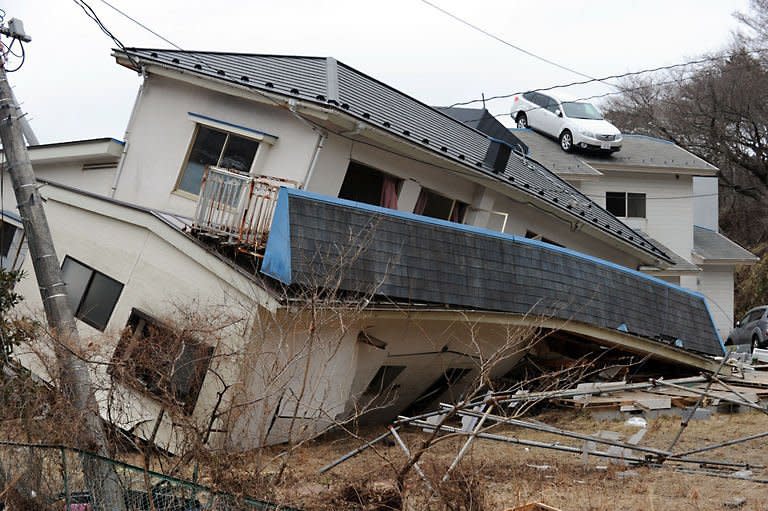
(283, 242)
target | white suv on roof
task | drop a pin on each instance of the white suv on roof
(576, 124)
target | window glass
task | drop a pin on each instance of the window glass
(578, 110)
(7, 232)
(163, 361)
(615, 203)
(206, 150)
(636, 205)
(436, 205)
(92, 295)
(76, 276)
(239, 154)
(362, 184)
(755, 315)
(99, 301)
(550, 103)
(213, 147)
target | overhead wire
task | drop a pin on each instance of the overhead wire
(507, 43)
(315, 125)
(615, 76)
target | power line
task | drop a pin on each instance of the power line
(142, 25)
(616, 76)
(507, 43)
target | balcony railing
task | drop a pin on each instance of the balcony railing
(237, 209)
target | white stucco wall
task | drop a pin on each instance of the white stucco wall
(161, 135)
(716, 284)
(705, 203)
(669, 205)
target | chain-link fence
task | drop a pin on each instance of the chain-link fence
(51, 477)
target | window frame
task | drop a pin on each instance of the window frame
(626, 197)
(260, 139)
(76, 310)
(125, 350)
(359, 166)
(454, 204)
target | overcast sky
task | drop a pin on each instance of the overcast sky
(72, 88)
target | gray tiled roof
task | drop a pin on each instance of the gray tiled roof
(339, 87)
(713, 246)
(636, 151)
(414, 259)
(547, 152)
(644, 151)
(681, 264)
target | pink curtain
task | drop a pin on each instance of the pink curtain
(389, 193)
(421, 203)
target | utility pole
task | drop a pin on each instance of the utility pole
(74, 379)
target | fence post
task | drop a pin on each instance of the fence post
(65, 478)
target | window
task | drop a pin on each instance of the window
(217, 148)
(434, 205)
(163, 361)
(383, 380)
(366, 184)
(92, 295)
(623, 204)
(534, 236)
(7, 233)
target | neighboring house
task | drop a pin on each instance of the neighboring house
(335, 240)
(86, 164)
(662, 190)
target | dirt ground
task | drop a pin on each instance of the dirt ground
(502, 475)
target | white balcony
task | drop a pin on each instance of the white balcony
(237, 209)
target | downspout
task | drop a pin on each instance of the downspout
(321, 136)
(127, 134)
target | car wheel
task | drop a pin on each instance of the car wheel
(522, 121)
(755, 342)
(566, 141)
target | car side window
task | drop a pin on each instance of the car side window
(549, 103)
(755, 315)
(745, 319)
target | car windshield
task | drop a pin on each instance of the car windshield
(576, 110)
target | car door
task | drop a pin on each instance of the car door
(739, 334)
(536, 112)
(550, 121)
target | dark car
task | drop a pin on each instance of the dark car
(752, 329)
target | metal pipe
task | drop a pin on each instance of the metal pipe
(321, 136)
(407, 452)
(355, 452)
(722, 444)
(708, 394)
(127, 133)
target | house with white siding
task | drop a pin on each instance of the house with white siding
(664, 191)
(334, 241)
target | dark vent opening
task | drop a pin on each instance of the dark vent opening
(333, 102)
(220, 72)
(175, 60)
(320, 97)
(366, 115)
(406, 133)
(497, 156)
(198, 66)
(444, 149)
(244, 78)
(270, 85)
(425, 141)
(154, 54)
(294, 91)
(386, 124)
(461, 156)
(345, 106)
